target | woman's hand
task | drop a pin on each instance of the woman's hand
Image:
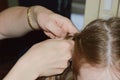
(47, 58)
(51, 56)
(53, 25)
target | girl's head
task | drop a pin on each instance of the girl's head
(97, 51)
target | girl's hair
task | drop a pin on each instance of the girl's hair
(97, 44)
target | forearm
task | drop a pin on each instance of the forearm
(41, 60)
(13, 22)
(21, 71)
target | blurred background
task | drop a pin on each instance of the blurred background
(12, 49)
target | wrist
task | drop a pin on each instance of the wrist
(42, 15)
(32, 19)
(21, 71)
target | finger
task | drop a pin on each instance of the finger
(66, 24)
(69, 48)
(56, 30)
(50, 35)
(71, 42)
(70, 27)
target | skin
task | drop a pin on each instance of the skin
(54, 25)
(41, 59)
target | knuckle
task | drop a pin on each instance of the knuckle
(61, 71)
(67, 20)
(66, 44)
